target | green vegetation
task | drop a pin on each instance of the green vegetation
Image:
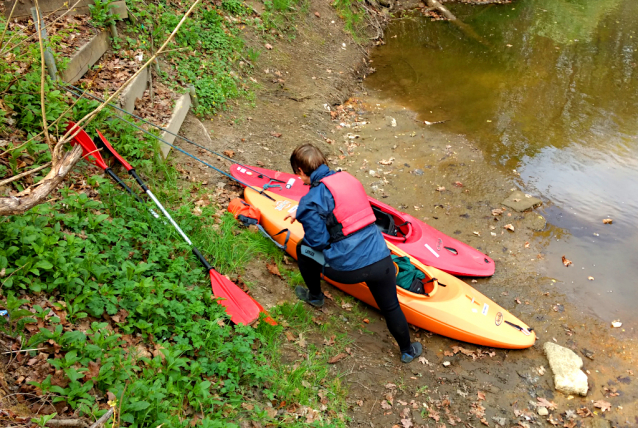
(101, 13)
(119, 300)
(107, 258)
(353, 15)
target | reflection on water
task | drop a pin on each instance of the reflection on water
(548, 88)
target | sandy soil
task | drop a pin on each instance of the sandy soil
(310, 90)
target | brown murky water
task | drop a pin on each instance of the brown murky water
(549, 90)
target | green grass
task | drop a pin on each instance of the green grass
(353, 16)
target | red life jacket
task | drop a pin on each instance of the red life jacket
(352, 209)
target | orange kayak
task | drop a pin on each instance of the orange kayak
(452, 308)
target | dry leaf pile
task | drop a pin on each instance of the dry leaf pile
(75, 31)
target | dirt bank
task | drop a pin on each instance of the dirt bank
(311, 89)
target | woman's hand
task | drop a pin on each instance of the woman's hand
(292, 216)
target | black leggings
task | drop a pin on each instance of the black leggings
(381, 280)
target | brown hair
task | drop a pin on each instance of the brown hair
(308, 158)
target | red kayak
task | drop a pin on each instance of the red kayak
(411, 235)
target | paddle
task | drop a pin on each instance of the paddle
(241, 308)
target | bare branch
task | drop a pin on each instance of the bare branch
(8, 21)
(24, 174)
(105, 417)
(31, 197)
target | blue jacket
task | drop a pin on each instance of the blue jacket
(360, 249)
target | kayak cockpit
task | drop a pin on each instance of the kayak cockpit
(393, 227)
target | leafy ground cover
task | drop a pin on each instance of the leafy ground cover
(114, 306)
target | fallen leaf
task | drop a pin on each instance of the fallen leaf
(542, 402)
(517, 300)
(481, 395)
(302, 342)
(585, 412)
(440, 189)
(566, 262)
(497, 211)
(607, 221)
(317, 15)
(360, 403)
(328, 295)
(448, 354)
(289, 336)
(458, 184)
(477, 233)
(229, 153)
(407, 423)
(337, 358)
(92, 372)
(268, 46)
(386, 162)
(274, 269)
(526, 245)
(484, 422)
(331, 341)
(602, 405)
(276, 134)
(509, 227)
(367, 321)
(422, 360)
(385, 405)
(390, 386)
(347, 306)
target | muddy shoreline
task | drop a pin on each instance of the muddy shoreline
(312, 89)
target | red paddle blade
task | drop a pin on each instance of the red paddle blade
(242, 308)
(89, 149)
(110, 148)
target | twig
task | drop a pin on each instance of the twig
(24, 174)
(67, 423)
(45, 128)
(24, 350)
(8, 20)
(372, 408)
(1, 285)
(67, 136)
(105, 417)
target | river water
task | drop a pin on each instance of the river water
(548, 89)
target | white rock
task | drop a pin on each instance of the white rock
(566, 366)
(542, 411)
